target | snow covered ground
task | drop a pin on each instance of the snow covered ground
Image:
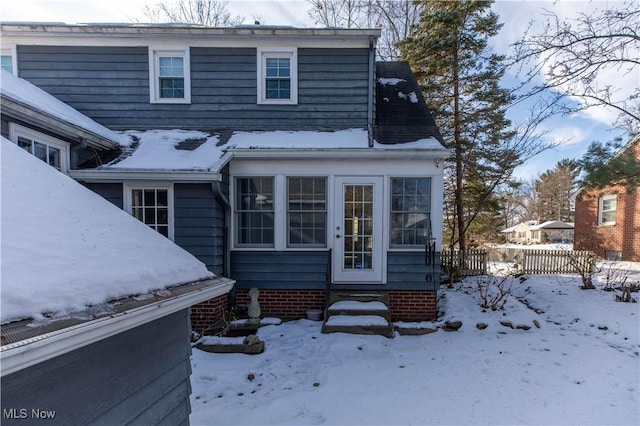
(582, 366)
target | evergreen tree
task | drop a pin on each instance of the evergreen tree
(554, 189)
(459, 76)
(611, 163)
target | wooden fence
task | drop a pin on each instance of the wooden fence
(557, 262)
(474, 263)
(533, 262)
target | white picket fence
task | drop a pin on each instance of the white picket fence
(537, 262)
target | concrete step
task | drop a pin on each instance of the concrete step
(356, 307)
(335, 296)
(358, 324)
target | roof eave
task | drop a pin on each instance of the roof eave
(118, 175)
(29, 352)
(28, 114)
(339, 153)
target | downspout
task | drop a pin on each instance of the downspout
(224, 201)
(372, 63)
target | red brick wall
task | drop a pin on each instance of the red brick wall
(623, 237)
(205, 314)
(413, 305)
(293, 304)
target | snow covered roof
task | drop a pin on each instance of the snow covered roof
(40, 105)
(553, 224)
(187, 150)
(65, 247)
(402, 114)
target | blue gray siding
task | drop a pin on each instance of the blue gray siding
(111, 85)
(137, 377)
(198, 219)
(199, 224)
(112, 192)
(307, 270)
(279, 270)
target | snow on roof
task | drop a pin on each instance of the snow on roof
(305, 139)
(65, 247)
(195, 150)
(22, 91)
(161, 149)
(553, 224)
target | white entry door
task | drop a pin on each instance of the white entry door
(358, 254)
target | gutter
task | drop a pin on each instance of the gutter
(118, 175)
(26, 353)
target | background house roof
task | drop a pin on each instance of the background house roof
(65, 247)
(401, 113)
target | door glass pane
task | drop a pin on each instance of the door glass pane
(358, 227)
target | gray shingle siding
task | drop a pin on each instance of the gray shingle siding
(199, 224)
(140, 376)
(307, 270)
(198, 219)
(111, 85)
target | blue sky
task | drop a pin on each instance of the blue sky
(573, 133)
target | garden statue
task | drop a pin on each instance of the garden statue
(254, 306)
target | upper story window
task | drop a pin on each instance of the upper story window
(277, 76)
(410, 211)
(607, 210)
(169, 75)
(8, 60)
(49, 149)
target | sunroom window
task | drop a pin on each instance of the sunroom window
(410, 211)
(307, 211)
(254, 209)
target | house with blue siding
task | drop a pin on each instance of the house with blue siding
(286, 159)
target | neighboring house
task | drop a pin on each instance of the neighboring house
(532, 232)
(608, 219)
(95, 305)
(285, 157)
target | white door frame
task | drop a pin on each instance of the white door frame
(354, 274)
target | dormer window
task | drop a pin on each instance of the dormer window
(278, 76)
(169, 75)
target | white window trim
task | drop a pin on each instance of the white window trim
(601, 200)
(154, 89)
(127, 199)
(281, 52)
(278, 204)
(16, 130)
(13, 51)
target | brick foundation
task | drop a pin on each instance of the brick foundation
(408, 305)
(205, 314)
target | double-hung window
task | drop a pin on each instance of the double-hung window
(307, 211)
(50, 150)
(607, 210)
(152, 205)
(169, 75)
(277, 76)
(254, 208)
(410, 211)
